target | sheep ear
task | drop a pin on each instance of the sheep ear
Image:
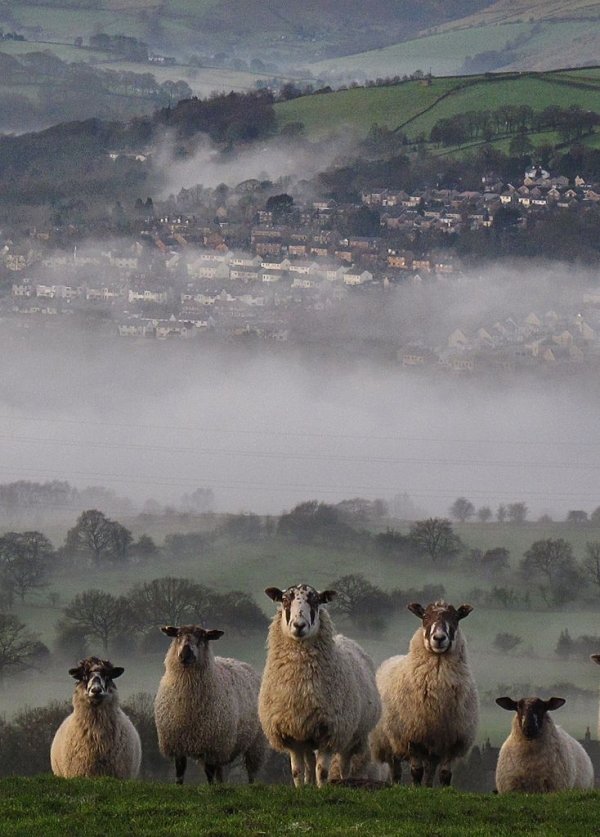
(327, 596)
(507, 703)
(170, 630)
(417, 609)
(274, 593)
(77, 673)
(595, 658)
(213, 634)
(554, 703)
(115, 672)
(463, 611)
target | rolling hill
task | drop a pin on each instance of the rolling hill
(415, 106)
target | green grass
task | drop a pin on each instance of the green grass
(444, 53)
(49, 806)
(361, 107)
(416, 107)
(231, 564)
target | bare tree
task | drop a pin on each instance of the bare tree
(517, 512)
(25, 561)
(17, 644)
(168, 601)
(435, 537)
(552, 562)
(97, 536)
(98, 615)
(462, 509)
(591, 562)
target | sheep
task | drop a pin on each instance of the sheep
(429, 699)
(318, 695)
(206, 706)
(538, 756)
(97, 739)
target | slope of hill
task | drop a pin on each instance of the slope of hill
(502, 45)
(316, 28)
(512, 11)
(415, 106)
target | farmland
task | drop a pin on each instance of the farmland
(415, 106)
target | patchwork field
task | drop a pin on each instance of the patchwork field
(416, 106)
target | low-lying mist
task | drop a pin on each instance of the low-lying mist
(269, 426)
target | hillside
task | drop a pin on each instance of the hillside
(415, 106)
(512, 11)
(280, 30)
(488, 46)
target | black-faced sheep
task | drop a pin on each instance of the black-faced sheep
(97, 739)
(539, 756)
(206, 706)
(430, 707)
(318, 695)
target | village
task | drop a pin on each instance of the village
(173, 276)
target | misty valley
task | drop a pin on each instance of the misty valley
(300, 328)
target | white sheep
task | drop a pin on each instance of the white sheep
(97, 739)
(206, 706)
(318, 695)
(430, 706)
(539, 756)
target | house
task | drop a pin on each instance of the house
(208, 269)
(354, 278)
(458, 340)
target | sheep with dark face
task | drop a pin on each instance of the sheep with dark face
(538, 756)
(430, 707)
(206, 706)
(97, 739)
(318, 695)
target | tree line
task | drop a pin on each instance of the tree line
(572, 123)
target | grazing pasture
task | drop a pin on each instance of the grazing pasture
(53, 807)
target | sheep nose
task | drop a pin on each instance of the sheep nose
(185, 655)
(299, 624)
(96, 690)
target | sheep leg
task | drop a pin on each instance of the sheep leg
(297, 765)
(445, 774)
(430, 768)
(310, 761)
(180, 766)
(322, 771)
(345, 763)
(214, 773)
(396, 769)
(416, 772)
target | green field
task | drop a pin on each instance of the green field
(415, 106)
(231, 564)
(444, 53)
(49, 806)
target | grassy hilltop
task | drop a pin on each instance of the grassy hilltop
(49, 806)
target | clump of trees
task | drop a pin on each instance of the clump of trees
(97, 617)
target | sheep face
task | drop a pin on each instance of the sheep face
(440, 624)
(300, 609)
(95, 679)
(190, 642)
(531, 713)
